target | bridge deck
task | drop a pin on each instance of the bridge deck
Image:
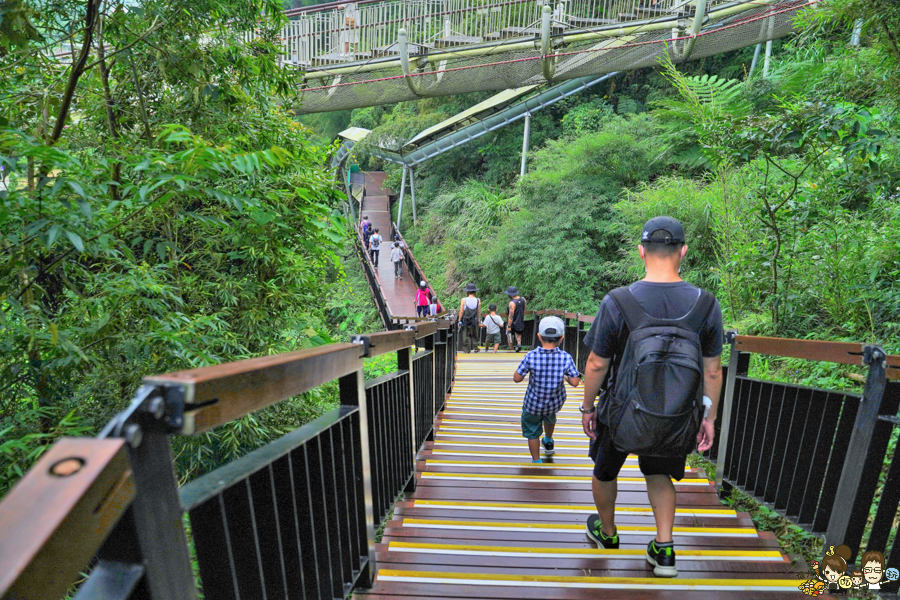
(399, 295)
(486, 523)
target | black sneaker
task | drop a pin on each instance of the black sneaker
(596, 534)
(662, 557)
(548, 446)
(518, 348)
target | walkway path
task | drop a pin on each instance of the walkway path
(399, 295)
(486, 523)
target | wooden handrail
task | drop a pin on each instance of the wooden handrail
(56, 517)
(390, 341)
(221, 393)
(424, 329)
(845, 353)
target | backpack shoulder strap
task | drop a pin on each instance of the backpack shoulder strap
(631, 310)
(700, 310)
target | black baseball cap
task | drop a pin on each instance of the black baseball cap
(662, 230)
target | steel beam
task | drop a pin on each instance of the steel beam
(526, 140)
(402, 190)
(501, 119)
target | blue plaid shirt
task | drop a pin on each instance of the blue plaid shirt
(546, 391)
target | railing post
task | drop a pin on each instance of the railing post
(157, 510)
(738, 364)
(352, 390)
(428, 344)
(404, 362)
(856, 486)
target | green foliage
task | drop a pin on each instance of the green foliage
(880, 26)
(586, 118)
(160, 209)
(781, 183)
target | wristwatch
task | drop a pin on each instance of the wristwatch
(587, 412)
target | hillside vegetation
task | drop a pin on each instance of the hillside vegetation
(160, 209)
(787, 185)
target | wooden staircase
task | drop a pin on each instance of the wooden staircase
(484, 522)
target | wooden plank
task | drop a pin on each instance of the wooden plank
(425, 329)
(390, 341)
(838, 352)
(56, 517)
(845, 353)
(233, 390)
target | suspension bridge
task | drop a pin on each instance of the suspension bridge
(375, 52)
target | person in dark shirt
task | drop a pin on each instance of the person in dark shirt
(516, 312)
(662, 294)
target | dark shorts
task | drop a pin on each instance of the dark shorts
(492, 338)
(532, 425)
(517, 328)
(609, 461)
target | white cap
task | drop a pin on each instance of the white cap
(551, 328)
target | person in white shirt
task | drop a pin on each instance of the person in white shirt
(375, 246)
(492, 323)
(397, 259)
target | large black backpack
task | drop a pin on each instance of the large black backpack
(470, 316)
(656, 405)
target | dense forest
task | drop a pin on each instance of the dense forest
(160, 209)
(787, 184)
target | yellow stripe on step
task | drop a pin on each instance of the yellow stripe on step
(556, 581)
(545, 552)
(557, 478)
(565, 508)
(488, 464)
(572, 528)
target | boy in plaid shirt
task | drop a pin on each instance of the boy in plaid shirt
(549, 367)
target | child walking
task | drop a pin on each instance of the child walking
(397, 259)
(492, 324)
(550, 367)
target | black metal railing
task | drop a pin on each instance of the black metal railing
(583, 326)
(443, 357)
(813, 455)
(290, 516)
(390, 424)
(423, 376)
(296, 516)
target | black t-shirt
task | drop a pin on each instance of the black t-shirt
(518, 323)
(609, 333)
